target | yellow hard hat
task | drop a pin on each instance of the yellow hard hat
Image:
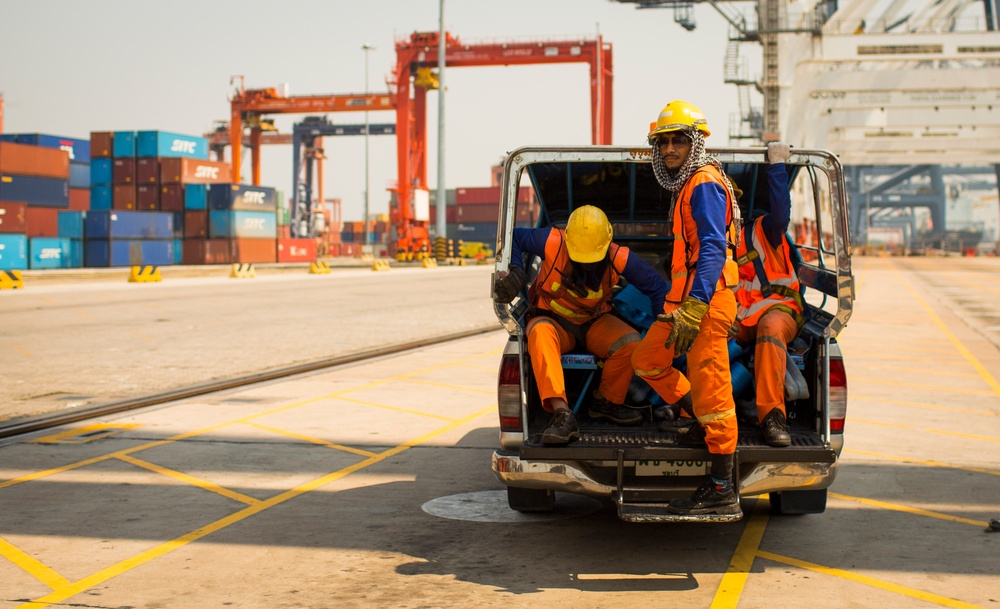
(678, 116)
(588, 234)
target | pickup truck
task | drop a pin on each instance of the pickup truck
(639, 467)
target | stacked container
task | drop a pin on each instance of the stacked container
(242, 220)
(128, 238)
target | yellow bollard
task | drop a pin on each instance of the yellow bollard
(144, 274)
(11, 280)
(319, 268)
(242, 270)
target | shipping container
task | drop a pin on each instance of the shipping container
(196, 224)
(128, 252)
(482, 231)
(178, 251)
(35, 191)
(12, 218)
(172, 197)
(101, 144)
(129, 225)
(242, 224)
(79, 199)
(242, 197)
(296, 250)
(123, 196)
(147, 197)
(194, 171)
(41, 221)
(166, 144)
(77, 149)
(100, 171)
(195, 196)
(206, 251)
(70, 224)
(253, 250)
(178, 225)
(79, 175)
(147, 170)
(123, 144)
(101, 196)
(26, 160)
(13, 252)
(49, 253)
(123, 171)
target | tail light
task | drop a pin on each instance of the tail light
(838, 395)
(509, 393)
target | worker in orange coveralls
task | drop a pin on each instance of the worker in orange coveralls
(769, 303)
(700, 307)
(571, 305)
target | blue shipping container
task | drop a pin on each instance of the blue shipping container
(195, 196)
(13, 252)
(35, 191)
(121, 224)
(242, 224)
(164, 143)
(123, 143)
(242, 197)
(100, 196)
(100, 171)
(178, 251)
(48, 253)
(485, 232)
(79, 175)
(71, 224)
(128, 252)
(79, 150)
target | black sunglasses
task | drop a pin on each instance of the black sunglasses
(679, 141)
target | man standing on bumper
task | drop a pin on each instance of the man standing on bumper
(700, 307)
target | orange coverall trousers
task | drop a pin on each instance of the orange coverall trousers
(609, 338)
(708, 379)
(774, 330)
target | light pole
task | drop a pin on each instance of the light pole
(366, 47)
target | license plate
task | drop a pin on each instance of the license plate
(671, 468)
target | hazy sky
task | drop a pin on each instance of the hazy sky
(72, 67)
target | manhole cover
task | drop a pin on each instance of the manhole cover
(491, 506)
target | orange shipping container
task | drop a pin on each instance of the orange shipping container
(25, 160)
(79, 199)
(253, 250)
(182, 170)
(41, 222)
(12, 217)
(296, 250)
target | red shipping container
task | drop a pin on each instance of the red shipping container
(488, 195)
(196, 224)
(205, 251)
(253, 250)
(123, 170)
(333, 249)
(466, 214)
(12, 217)
(100, 144)
(350, 249)
(147, 170)
(147, 197)
(449, 214)
(79, 199)
(25, 160)
(296, 250)
(284, 232)
(172, 197)
(123, 196)
(183, 170)
(41, 222)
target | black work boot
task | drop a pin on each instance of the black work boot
(692, 436)
(708, 499)
(775, 429)
(601, 408)
(672, 412)
(562, 428)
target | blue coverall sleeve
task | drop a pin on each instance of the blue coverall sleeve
(775, 223)
(708, 207)
(645, 278)
(528, 241)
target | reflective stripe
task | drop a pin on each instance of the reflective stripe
(631, 337)
(653, 372)
(770, 339)
(717, 416)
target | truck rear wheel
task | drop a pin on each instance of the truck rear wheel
(531, 499)
(798, 502)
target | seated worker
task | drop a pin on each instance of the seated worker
(571, 305)
(768, 300)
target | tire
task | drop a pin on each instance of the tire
(531, 499)
(790, 503)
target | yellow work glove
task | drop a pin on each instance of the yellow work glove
(687, 323)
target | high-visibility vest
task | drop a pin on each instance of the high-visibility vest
(551, 293)
(767, 277)
(687, 247)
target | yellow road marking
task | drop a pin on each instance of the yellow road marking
(144, 337)
(450, 386)
(916, 386)
(964, 435)
(886, 356)
(735, 578)
(986, 413)
(188, 479)
(925, 371)
(312, 440)
(896, 507)
(867, 422)
(20, 349)
(938, 431)
(922, 462)
(879, 341)
(31, 565)
(84, 314)
(396, 408)
(869, 581)
(83, 431)
(64, 592)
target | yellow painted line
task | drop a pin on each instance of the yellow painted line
(64, 592)
(992, 382)
(923, 462)
(472, 367)
(916, 386)
(31, 565)
(84, 314)
(396, 408)
(879, 341)
(870, 581)
(925, 371)
(886, 356)
(450, 386)
(188, 479)
(20, 349)
(879, 423)
(986, 413)
(896, 507)
(967, 436)
(312, 440)
(143, 336)
(735, 578)
(80, 431)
